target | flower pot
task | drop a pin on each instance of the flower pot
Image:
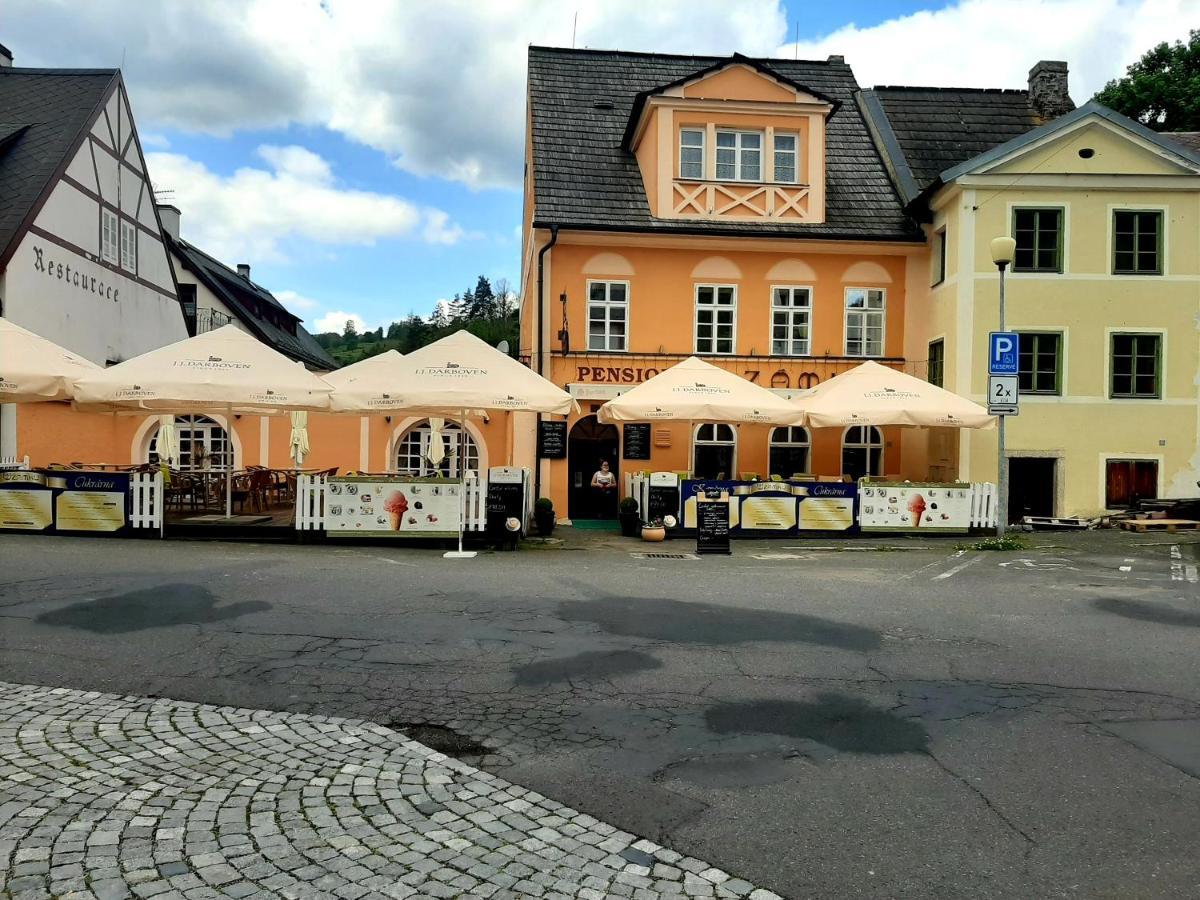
(543, 522)
(631, 524)
(654, 533)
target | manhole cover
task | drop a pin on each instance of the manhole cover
(664, 556)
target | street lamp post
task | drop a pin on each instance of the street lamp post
(1003, 251)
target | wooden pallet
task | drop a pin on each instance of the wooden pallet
(1169, 525)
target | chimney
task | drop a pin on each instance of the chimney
(1048, 89)
(836, 59)
(5, 57)
(169, 216)
(244, 270)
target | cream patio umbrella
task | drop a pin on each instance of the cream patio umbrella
(459, 375)
(695, 391)
(871, 394)
(33, 369)
(168, 440)
(298, 445)
(226, 370)
(340, 377)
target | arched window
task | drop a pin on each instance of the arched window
(862, 451)
(789, 451)
(714, 452)
(412, 451)
(203, 444)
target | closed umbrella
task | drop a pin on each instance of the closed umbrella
(168, 441)
(298, 442)
(436, 451)
(33, 369)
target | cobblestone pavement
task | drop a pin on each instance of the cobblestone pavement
(104, 796)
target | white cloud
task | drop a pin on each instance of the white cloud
(246, 215)
(153, 141)
(294, 301)
(336, 321)
(994, 43)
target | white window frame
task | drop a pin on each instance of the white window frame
(715, 308)
(418, 434)
(795, 152)
(789, 310)
(862, 311)
(867, 445)
(110, 236)
(788, 430)
(129, 238)
(191, 430)
(732, 442)
(700, 132)
(737, 148)
(607, 304)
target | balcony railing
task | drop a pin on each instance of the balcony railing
(205, 320)
(744, 201)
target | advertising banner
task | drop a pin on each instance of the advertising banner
(96, 502)
(782, 507)
(944, 508)
(373, 506)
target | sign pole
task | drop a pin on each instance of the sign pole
(1002, 463)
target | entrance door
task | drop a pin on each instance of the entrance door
(1030, 487)
(588, 444)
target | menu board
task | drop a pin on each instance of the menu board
(75, 501)
(712, 523)
(26, 501)
(552, 440)
(506, 493)
(782, 507)
(944, 508)
(371, 506)
(636, 442)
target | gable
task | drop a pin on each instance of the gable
(740, 82)
(1113, 153)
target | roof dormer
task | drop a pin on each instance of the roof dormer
(735, 141)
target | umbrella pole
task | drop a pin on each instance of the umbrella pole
(229, 463)
(462, 499)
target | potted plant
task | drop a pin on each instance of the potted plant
(627, 513)
(543, 516)
(654, 531)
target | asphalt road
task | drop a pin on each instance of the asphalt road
(922, 723)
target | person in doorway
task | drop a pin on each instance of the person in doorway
(604, 491)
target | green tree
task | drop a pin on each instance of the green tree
(1162, 89)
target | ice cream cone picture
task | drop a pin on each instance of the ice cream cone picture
(916, 506)
(395, 506)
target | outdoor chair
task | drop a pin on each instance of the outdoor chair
(749, 476)
(776, 478)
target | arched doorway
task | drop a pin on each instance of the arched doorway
(203, 444)
(412, 451)
(588, 444)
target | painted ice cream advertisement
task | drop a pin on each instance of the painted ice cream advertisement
(915, 507)
(393, 507)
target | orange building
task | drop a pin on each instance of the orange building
(731, 208)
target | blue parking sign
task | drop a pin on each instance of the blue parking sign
(1003, 353)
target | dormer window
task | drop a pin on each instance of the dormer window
(691, 154)
(739, 155)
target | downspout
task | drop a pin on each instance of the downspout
(541, 318)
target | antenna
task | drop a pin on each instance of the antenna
(796, 45)
(574, 27)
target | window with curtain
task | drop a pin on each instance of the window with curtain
(739, 155)
(786, 158)
(691, 154)
(865, 310)
(791, 319)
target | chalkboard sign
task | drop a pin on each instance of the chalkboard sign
(552, 440)
(637, 440)
(712, 524)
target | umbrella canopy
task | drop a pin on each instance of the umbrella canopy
(33, 369)
(696, 391)
(871, 394)
(226, 370)
(298, 442)
(344, 375)
(458, 374)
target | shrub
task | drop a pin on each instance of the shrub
(544, 503)
(628, 505)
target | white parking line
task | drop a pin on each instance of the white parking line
(952, 572)
(1128, 567)
(1177, 563)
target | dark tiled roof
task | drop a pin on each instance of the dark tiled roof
(44, 111)
(584, 179)
(1189, 139)
(239, 296)
(937, 128)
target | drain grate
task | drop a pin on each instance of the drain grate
(664, 556)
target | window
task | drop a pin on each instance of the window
(939, 256)
(1136, 365)
(129, 246)
(862, 451)
(1129, 480)
(785, 158)
(202, 445)
(788, 453)
(716, 311)
(412, 452)
(109, 235)
(1038, 233)
(937, 363)
(187, 300)
(714, 452)
(691, 154)
(1039, 363)
(791, 321)
(864, 322)
(739, 156)
(608, 315)
(1137, 242)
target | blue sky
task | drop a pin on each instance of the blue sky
(366, 160)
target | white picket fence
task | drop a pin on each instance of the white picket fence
(9, 463)
(146, 506)
(311, 493)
